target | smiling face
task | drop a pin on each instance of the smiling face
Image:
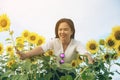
(64, 32)
(64, 29)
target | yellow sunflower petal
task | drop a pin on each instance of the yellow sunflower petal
(116, 32)
(92, 46)
(33, 37)
(117, 47)
(25, 34)
(110, 42)
(20, 40)
(74, 63)
(40, 41)
(1, 48)
(4, 23)
(10, 50)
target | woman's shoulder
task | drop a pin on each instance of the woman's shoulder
(77, 42)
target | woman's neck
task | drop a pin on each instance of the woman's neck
(65, 44)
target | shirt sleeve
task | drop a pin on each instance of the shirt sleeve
(81, 49)
(48, 45)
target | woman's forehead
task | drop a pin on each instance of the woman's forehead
(64, 24)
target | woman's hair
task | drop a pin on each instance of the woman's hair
(69, 22)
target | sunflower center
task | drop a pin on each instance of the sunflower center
(107, 56)
(39, 41)
(33, 38)
(110, 43)
(9, 49)
(119, 48)
(117, 35)
(50, 53)
(0, 49)
(73, 64)
(11, 63)
(25, 34)
(92, 47)
(3, 23)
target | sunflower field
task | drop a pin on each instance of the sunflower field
(106, 53)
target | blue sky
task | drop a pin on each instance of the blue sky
(93, 19)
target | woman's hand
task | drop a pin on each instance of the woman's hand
(90, 60)
(21, 54)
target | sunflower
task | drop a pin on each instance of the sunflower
(118, 54)
(101, 42)
(74, 63)
(10, 50)
(33, 37)
(20, 46)
(1, 48)
(117, 48)
(110, 42)
(0, 29)
(92, 46)
(4, 22)
(25, 34)
(106, 57)
(49, 52)
(40, 41)
(20, 43)
(79, 59)
(10, 63)
(114, 56)
(20, 40)
(116, 32)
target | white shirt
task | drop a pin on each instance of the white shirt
(73, 48)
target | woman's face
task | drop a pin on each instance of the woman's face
(64, 31)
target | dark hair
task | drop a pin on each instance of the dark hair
(69, 22)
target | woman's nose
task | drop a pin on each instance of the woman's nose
(62, 31)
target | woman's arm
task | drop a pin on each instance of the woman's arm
(82, 51)
(34, 52)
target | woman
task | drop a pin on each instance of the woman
(64, 45)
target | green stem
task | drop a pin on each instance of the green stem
(11, 35)
(80, 73)
(55, 72)
(77, 77)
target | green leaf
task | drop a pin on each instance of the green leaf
(15, 77)
(7, 73)
(67, 77)
(66, 66)
(46, 58)
(27, 65)
(23, 77)
(48, 76)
